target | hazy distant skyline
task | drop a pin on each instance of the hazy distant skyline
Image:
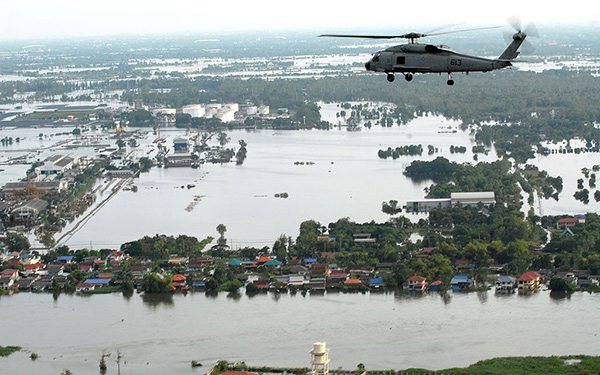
(43, 19)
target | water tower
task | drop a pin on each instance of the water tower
(320, 359)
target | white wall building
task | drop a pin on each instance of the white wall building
(194, 110)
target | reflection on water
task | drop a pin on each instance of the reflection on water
(158, 299)
(168, 331)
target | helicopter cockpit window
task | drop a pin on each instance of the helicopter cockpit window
(376, 57)
(400, 60)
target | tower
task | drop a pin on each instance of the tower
(320, 359)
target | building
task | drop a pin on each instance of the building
(181, 145)
(56, 164)
(486, 198)
(29, 210)
(505, 284)
(42, 187)
(529, 281)
(426, 205)
(182, 159)
(569, 222)
(376, 283)
(194, 110)
(461, 283)
(416, 284)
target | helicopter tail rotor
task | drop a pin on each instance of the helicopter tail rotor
(519, 37)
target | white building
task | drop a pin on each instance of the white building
(320, 359)
(263, 110)
(194, 110)
(473, 198)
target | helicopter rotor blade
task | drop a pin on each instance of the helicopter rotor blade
(532, 31)
(515, 22)
(361, 36)
(527, 48)
(463, 30)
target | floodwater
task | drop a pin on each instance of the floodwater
(347, 179)
(383, 331)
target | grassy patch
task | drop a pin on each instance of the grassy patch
(523, 365)
(8, 350)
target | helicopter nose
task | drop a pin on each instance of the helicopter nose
(368, 66)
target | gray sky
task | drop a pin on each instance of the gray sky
(27, 19)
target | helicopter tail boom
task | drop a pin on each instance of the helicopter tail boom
(511, 52)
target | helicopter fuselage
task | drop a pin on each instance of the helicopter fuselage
(428, 58)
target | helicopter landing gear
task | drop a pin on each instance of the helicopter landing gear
(390, 77)
(450, 81)
(408, 77)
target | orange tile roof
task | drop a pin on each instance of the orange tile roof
(437, 282)
(416, 278)
(179, 278)
(353, 282)
(529, 276)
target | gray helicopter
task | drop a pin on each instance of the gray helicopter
(416, 57)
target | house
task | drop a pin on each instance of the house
(376, 283)
(463, 263)
(363, 275)
(569, 222)
(416, 283)
(42, 284)
(65, 259)
(460, 283)
(336, 278)
(99, 283)
(529, 281)
(261, 285)
(317, 284)
(29, 210)
(25, 283)
(179, 283)
(273, 264)
(6, 282)
(10, 273)
(363, 238)
(320, 269)
(309, 261)
(296, 280)
(176, 260)
(437, 285)
(29, 258)
(85, 287)
(198, 284)
(33, 268)
(234, 263)
(568, 277)
(353, 283)
(505, 284)
(298, 269)
(86, 268)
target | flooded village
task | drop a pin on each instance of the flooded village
(207, 209)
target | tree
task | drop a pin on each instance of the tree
(221, 229)
(155, 283)
(223, 139)
(560, 285)
(281, 247)
(17, 242)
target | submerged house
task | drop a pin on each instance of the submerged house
(529, 281)
(416, 284)
(460, 283)
(506, 283)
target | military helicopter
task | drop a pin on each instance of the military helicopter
(414, 57)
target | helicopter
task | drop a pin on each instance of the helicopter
(414, 57)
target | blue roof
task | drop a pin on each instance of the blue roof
(97, 281)
(273, 262)
(460, 279)
(198, 283)
(506, 279)
(310, 260)
(376, 281)
(235, 262)
(67, 258)
(26, 256)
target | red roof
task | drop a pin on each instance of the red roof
(529, 276)
(353, 282)
(263, 259)
(437, 282)
(568, 220)
(179, 278)
(85, 268)
(417, 278)
(33, 266)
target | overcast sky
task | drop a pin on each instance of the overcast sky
(31, 19)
